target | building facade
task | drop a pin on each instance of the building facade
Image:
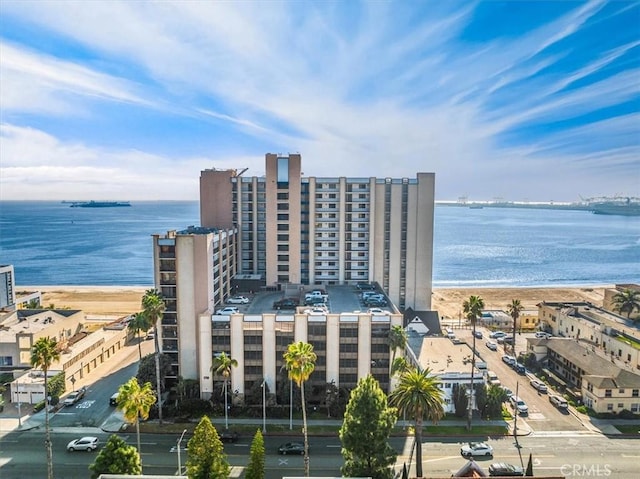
(193, 269)
(334, 230)
(349, 346)
(602, 384)
(7, 289)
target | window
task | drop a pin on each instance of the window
(607, 393)
(283, 237)
(283, 227)
(634, 393)
(283, 217)
(283, 196)
(283, 247)
(609, 407)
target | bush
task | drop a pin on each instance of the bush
(582, 409)
(193, 407)
(39, 406)
(626, 414)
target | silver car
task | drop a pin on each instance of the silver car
(88, 443)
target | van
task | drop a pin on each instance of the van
(492, 379)
(113, 400)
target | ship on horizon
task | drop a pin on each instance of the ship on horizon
(98, 204)
(615, 205)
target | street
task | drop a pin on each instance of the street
(553, 454)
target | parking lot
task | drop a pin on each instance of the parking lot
(542, 416)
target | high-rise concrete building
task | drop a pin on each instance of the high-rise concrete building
(276, 236)
(327, 230)
(193, 269)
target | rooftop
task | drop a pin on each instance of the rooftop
(31, 321)
(589, 361)
(342, 299)
(442, 356)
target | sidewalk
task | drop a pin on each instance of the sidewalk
(25, 419)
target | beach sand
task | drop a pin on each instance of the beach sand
(122, 300)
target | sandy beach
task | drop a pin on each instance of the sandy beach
(121, 300)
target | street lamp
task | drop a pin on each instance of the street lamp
(291, 404)
(179, 457)
(264, 405)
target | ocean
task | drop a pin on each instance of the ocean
(50, 243)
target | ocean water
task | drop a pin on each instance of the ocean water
(50, 243)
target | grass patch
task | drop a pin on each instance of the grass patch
(629, 429)
(247, 430)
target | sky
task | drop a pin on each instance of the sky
(519, 100)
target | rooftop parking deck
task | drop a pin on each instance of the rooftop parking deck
(341, 299)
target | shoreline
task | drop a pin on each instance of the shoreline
(122, 300)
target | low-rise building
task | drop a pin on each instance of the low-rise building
(607, 332)
(603, 385)
(451, 363)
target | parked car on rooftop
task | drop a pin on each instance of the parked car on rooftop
(228, 311)
(238, 300)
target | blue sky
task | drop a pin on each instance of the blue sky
(131, 100)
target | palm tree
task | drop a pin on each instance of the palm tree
(135, 402)
(222, 364)
(473, 310)
(399, 365)
(300, 362)
(139, 322)
(419, 396)
(44, 353)
(153, 305)
(397, 339)
(626, 301)
(514, 310)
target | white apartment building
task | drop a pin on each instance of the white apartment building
(327, 230)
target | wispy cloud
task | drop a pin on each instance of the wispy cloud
(362, 89)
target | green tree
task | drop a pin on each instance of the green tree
(399, 365)
(473, 311)
(147, 369)
(116, 457)
(139, 322)
(33, 304)
(514, 309)
(419, 396)
(153, 306)
(626, 301)
(44, 353)
(206, 457)
(300, 361)
(368, 422)
(135, 402)
(255, 468)
(495, 396)
(222, 365)
(397, 340)
(460, 400)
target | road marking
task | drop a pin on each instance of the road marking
(630, 456)
(283, 462)
(331, 445)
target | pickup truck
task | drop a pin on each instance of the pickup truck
(316, 293)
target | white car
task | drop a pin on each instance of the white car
(316, 311)
(88, 443)
(74, 397)
(539, 385)
(228, 311)
(238, 300)
(542, 335)
(474, 449)
(492, 345)
(377, 311)
(519, 405)
(510, 360)
(497, 334)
